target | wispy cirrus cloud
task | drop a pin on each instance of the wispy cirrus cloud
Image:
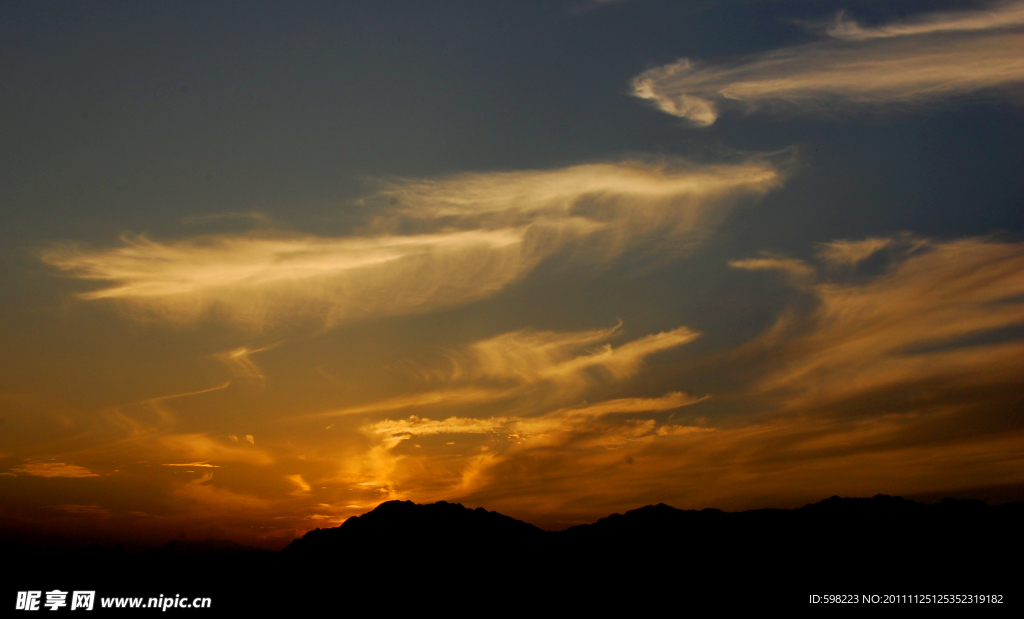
(901, 375)
(394, 431)
(193, 464)
(529, 432)
(302, 487)
(785, 461)
(458, 396)
(201, 447)
(563, 358)
(515, 393)
(798, 270)
(930, 325)
(528, 364)
(1008, 14)
(433, 243)
(36, 468)
(240, 361)
(217, 499)
(934, 56)
(257, 281)
(515, 442)
(616, 456)
(850, 253)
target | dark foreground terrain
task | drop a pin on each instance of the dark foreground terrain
(408, 557)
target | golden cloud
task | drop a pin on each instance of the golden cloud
(785, 462)
(201, 447)
(851, 253)
(563, 358)
(467, 395)
(902, 380)
(194, 464)
(301, 487)
(546, 431)
(529, 362)
(1007, 14)
(798, 270)
(922, 322)
(217, 499)
(53, 469)
(939, 55)
(464, 238)
(240, 361)
(397, 430)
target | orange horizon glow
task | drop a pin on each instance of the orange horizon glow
(753, 273)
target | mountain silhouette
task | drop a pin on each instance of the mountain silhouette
(406, 526)
(873, 544)
(408, 557)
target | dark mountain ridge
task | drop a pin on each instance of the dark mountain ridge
(408, 554)
(407, 524)
(878, 543)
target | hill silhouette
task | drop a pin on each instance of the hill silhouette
(406, 526)
(870, 544)
(878, 543)
(413, 554)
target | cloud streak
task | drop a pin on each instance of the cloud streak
(432, 244)
(256, 282)
(542, 370)
(531, 364)
(53, 469)
(783, 461)
(240, 361)
(200, 447)
(930, 332)
(936, 56)
(448, 397)
(1000, 15)
(564, 358)
(900, 376)
(546, 430)
(524, 428)
(194, 464)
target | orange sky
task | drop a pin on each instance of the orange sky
(556, 341)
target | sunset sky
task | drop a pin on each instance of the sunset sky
(268, 265)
